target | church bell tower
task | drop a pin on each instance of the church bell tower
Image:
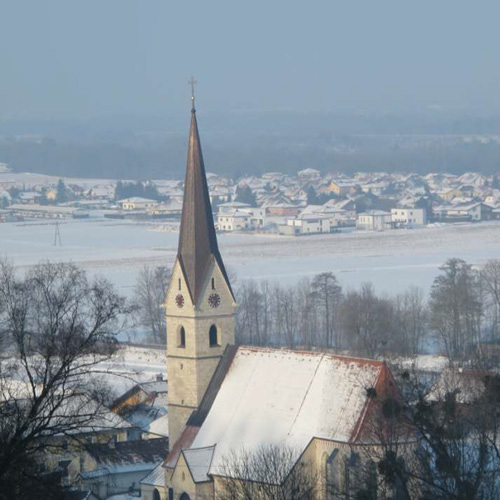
(199, 304)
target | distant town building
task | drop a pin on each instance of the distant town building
(137, 203)
(306, 224)
(374, 220)
(226, 208)
(235, 220)
(408, 217)
(464, 212)
(342, 188)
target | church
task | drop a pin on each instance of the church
(224, 399)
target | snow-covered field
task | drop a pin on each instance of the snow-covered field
(392, 260)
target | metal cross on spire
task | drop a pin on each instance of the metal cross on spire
(192, 82)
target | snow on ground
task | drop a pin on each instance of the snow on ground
(28, 180)
(392, 260)
(425, 362)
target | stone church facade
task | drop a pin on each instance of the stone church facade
(223, 397)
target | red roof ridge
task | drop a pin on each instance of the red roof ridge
(185, 440)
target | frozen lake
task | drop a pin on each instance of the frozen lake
(392, 260)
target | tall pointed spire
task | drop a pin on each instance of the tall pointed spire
(197, 240)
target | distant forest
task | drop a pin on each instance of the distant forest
(237, 145)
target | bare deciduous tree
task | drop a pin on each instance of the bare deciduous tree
(490, 281)
(59, 325)
(367, 321)
(149, 297)
(456, 308)
(411, 321)
(269, 473)
(327, 291)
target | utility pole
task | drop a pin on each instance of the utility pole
(57, 235)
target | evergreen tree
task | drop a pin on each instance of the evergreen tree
(62, 192)
(312, 199)
(245, 195)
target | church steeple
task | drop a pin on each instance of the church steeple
(197, 240)
(199, 304)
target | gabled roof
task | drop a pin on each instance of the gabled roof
(197, 239)
(147, 451)
(312, 395)
(198, 461)
(156, 477)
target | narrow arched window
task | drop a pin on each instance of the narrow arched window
(213, 283)
(181, 342)
(212, 335)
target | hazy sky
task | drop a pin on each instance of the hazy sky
(69, 58)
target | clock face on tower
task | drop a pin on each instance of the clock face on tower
(179, 300)
(214, 300)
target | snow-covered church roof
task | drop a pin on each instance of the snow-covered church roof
(272, 396)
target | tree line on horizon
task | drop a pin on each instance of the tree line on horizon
(135, 159)
(460, 316)
(458, 319)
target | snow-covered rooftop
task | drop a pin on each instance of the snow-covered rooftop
(199, 461)
(159, 426)
(286, 397)
(156, 477)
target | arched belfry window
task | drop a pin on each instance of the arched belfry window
(185, 496)
(213, 336)
(181, 340)
(156, 495)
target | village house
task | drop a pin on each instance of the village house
(305, 224)
(463, 212)
(169, 208)
(29, 197)
(342, 188)
(237, 220)
(376, 188)
(408, 217)
(137, 203)
(101, 192)
(313, 217)
(152, 393)
(282, 209)
(114, 468)
(234, 219)
(64, 454)
(226, 208)
(374, 220)
(34, 210)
